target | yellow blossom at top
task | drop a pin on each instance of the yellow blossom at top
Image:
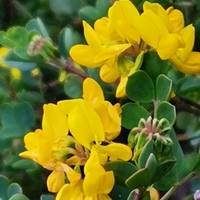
(107, 42)
(164, 31)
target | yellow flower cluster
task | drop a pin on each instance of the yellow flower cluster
(77, 134)
(116, 41)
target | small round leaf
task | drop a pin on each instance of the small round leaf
(140, 87)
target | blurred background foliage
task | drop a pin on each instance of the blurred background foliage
(22, 94)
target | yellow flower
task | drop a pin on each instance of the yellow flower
(97, 182)
(16, 73)
(87, 129)
(156, 29)
(43, 145)
(186, 60)
(108, 114)
(108, 42)
(71, 192)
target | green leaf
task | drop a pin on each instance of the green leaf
(18, 35)
(89, 14)
(14, 60)
(144, 155)
(47, 197)
(65, 7)
(132, 113)
(73, 86)
(119, 192)
(102, 6)
(177, 171)
(167, 111)
(37, 25)
(13, 189)
(16, 120)
(68, 38)
(122, 170)
(154, 66)
(25, 164)
(151, 162)
(189, 83)
(5, 41)
(163, 168)
(140, 87)
(142, 178)
(19, 197)
(4, 183)
(163, 87)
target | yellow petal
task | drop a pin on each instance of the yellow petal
(111, 51)
(165, 51)
(71, 192)
(67, 105)
(31, 139)
(54, 122)
(55, 181)
(176, 19)
(92, 91)
(121, 88)
(16, 73)
(84, 55)
(91, 37)
(109, 72)
(158, 10)
(85, 125)
(97, 183)
(122, 15)
(3, 53)
(188, 34)
(189, 66)
(154, 194)
(73, 176)
(151, 28)
(104, 31)
(117, 151)
(44, 146)
(110, 119)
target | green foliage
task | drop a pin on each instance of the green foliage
(51, 28)
(73, 86)
(163, 88)
(140, 87)
(20, 116)
(47, 197)
(167, 111)
(132, 113)
(92, 13)
(122, 170)
(67, 38)
(10, 191)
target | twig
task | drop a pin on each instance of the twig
(174, 188)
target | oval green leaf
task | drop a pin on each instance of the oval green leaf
(131, 115)
(163, 87)
(73, 86)
(167, 111)
(140, 87)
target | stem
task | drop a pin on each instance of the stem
(174, 188)
(21, 8)
(69, 68)
(182, 104)
(11, 91)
